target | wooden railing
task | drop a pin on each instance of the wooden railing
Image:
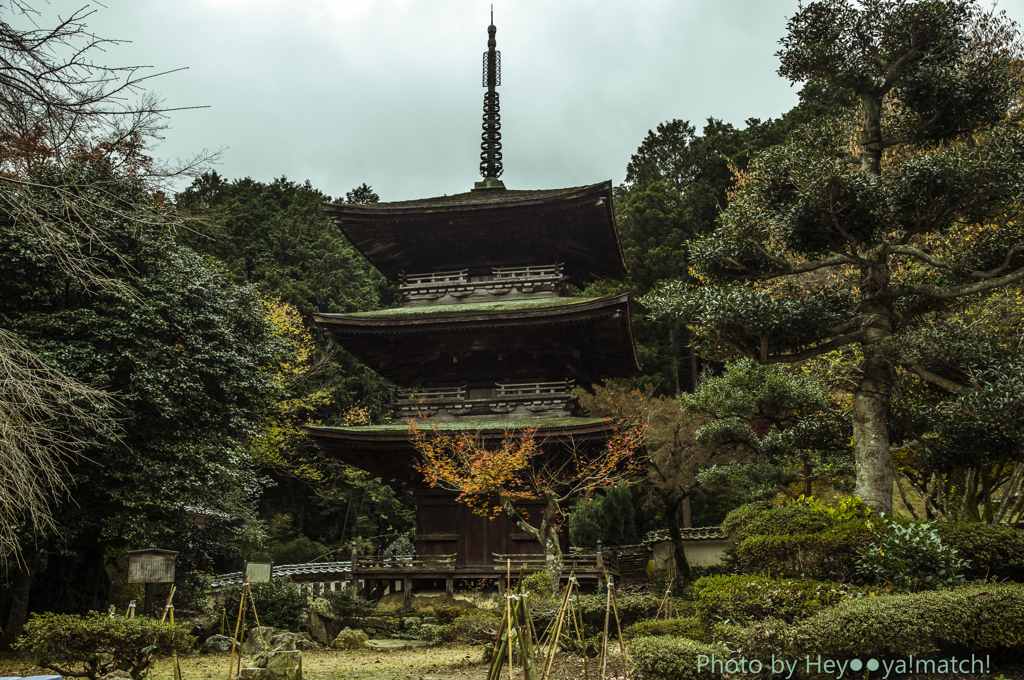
(404, 562)
(534, 389)
(434, 279)
(580, 563)
(539, 273)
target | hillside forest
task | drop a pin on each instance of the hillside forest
(826, 303)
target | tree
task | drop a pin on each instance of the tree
(838, 238)
(56, 105)
(785, 425)
(494, 479)
(189, 355)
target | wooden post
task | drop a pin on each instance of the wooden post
(352, 568)
(449, 590)
(407, 593)
(604, 640)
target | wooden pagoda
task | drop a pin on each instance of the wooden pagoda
(486, 338)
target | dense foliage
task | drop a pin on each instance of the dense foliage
(280, 603)
(873, 232)
(95, 645)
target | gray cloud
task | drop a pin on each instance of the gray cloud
(388, 92)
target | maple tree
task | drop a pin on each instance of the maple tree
(527, 466)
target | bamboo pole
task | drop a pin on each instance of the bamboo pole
(499, 651)
(618, 626)
(259, 628)
(604, 640)
(238, 623)
(557, 633)
(508, 607)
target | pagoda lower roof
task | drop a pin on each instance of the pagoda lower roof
(387, 450)
(407, 345)
(574, 226)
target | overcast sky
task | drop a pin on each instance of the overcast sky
(388, 92)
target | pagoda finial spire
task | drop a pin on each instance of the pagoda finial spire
(490, 147)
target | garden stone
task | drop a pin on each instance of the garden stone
(284, 665)
(322, 625)
(431, 620)
(381, 624)
(394, 645)
(252, 642)
(350, 639)
(216, 644)
(411, 622)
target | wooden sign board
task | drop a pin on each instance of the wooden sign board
(258, 572)
(151, 566)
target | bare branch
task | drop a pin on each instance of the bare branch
(944, 293)
(937, 379)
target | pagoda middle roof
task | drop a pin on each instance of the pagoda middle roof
(574, 226)
(595, 332)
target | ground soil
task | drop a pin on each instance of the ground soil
(449, 662)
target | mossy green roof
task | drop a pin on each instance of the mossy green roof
(469, 309)
(473, 426)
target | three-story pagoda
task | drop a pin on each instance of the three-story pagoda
(487, 337)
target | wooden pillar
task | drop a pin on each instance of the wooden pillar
(501, 585)
(407, 593)
(449, 590)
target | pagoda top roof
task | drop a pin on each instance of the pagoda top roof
(574, 226)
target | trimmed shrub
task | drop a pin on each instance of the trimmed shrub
(279, 604)
(790, 519)
(475, 627)
(828, 556)
(348, 607)
(736, 522)
(986, 616)
(909, 557)
(96, 644)
(992, 550)
(688, 627)
(744, 599)
(673, 658)
(632, 608)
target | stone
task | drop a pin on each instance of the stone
(394, 645)
(216, 644)
(411, 622)
(322, 625)
(350, 639)
(253, 642)
(381, 624)
(430, 621)
(283, 665)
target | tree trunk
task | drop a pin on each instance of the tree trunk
(20, 589)
(871, 157)
(872, 395)
(546, 533)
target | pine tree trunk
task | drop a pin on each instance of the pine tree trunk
(872, 395)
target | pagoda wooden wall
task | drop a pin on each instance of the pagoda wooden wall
(446, 527)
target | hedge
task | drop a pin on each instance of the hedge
(828, 556)
(745, 599)
(993, 551)
(681, 626)
(97, 644)
(672, 658)
(986, 616)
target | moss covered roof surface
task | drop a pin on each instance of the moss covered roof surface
(473, 426)
(469, 309)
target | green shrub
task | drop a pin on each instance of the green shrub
(744, 599)
(830, 556)
(736, 522)
(672, 658)
(475, 628)
(632, 608)
(992, 551)
(790, 519)
(299, 550)
(347, 606)
(987, 616)
(909, 557)
(447, 613)
(97, 644)
(689, 627)
(279, 603)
